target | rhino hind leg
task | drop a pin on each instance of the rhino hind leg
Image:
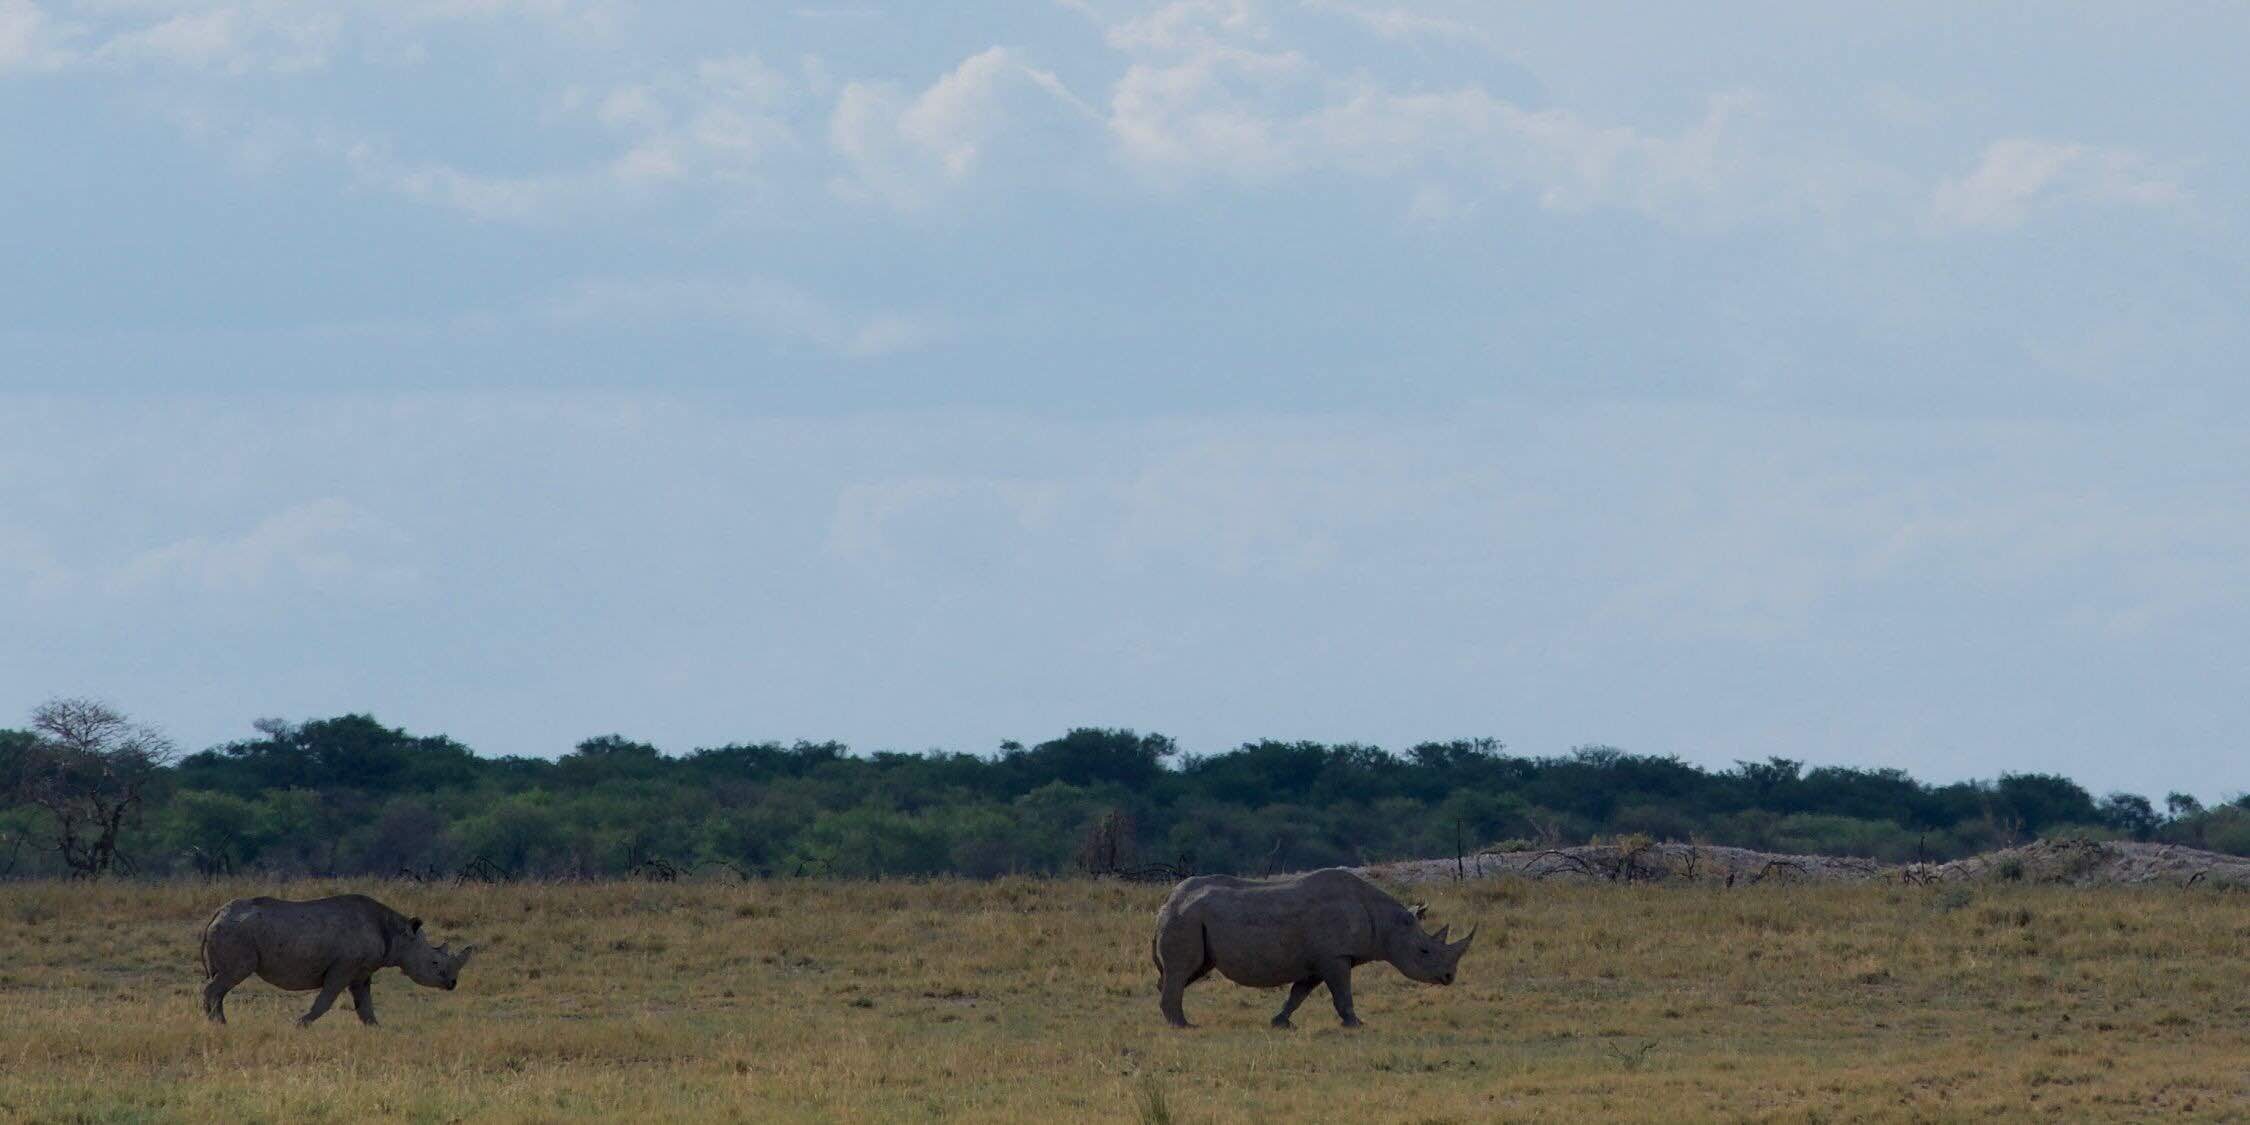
(1183, 957)
(215, 990)
(224, 967)
(363, 1001)
(1337, 975)
(1297, 994)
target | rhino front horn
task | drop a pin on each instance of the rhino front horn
(1463, 945)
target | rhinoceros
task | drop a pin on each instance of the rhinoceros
(1303, 931)
(330, 944)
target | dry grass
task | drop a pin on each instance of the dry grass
(1035, 1001)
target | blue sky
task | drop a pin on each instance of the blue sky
(1863, 387)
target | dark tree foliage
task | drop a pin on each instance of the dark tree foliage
(2039, 801)
(16, 750)
(349, 795)
(349, 752)
(2130, 814)
(1090, 756)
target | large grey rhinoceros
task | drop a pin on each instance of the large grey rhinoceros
(1302, 931)
(330, 944)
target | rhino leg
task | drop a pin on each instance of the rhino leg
(215, 991)
(225, 965)
(1337, 975)
(1297, 994)
(329, 990)
(1182, 957)
(363, 1001)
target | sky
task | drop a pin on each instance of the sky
(1864, 387)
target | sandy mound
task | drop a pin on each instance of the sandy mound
(2089, 863)
(1653, 863)
(2075, 862)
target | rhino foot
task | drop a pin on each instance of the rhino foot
(1281, 1023)
(1353, 1022)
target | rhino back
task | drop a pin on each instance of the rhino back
(1271, 932)
(296, 944)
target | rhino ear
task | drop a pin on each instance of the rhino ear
(1420, 910)
(414, 924)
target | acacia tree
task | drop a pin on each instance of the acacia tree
(90, 769)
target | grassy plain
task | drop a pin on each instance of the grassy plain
(1035, 1001)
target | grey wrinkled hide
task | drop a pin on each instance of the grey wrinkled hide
(1303, 931)
(330, 944)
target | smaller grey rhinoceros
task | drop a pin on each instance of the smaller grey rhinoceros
(330, 944)
(1303, 931)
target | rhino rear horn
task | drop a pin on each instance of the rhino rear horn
(1442, 931)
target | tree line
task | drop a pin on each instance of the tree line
(86, 792)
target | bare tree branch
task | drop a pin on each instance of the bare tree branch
(89, 771)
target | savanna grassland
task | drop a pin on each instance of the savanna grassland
(1035, 1001)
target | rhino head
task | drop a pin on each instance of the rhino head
(431, 966)
(1426, 957)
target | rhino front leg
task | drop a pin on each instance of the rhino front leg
(1297, 994)
(363, 1001)
(1337, 975)
(327, 998)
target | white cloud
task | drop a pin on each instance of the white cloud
(1190, 26)
(509, 198)
(721, 120)
(1208, 94)
(237, 37)
(29, 39)
(584, 19)
(1202, 90)
(716, 123)
(906, 151)
(2016, 175)
(1205, 93)
(1215, 111)
(1404, 23)
(232, 39)
(331, 545)
(761, 306)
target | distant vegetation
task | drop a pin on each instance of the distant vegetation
(83, 791)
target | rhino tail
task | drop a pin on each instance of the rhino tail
(203, 944)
